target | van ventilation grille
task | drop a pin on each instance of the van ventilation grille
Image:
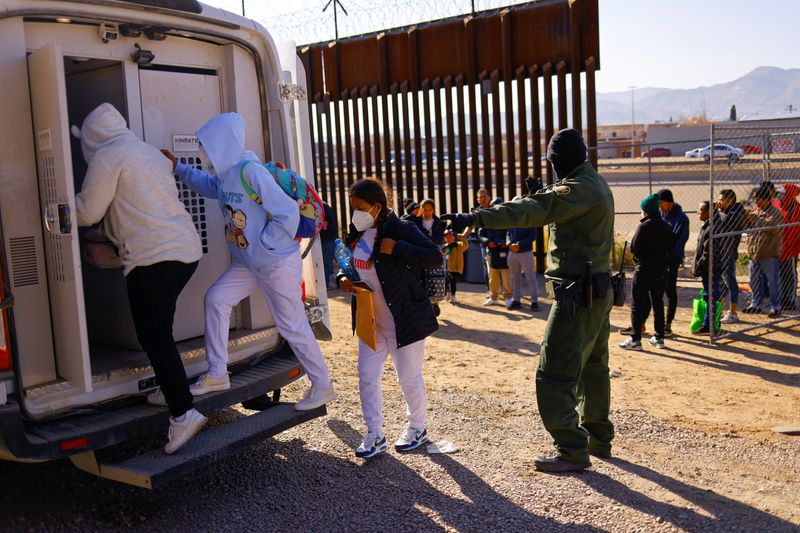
(24, 270)
(194, 203)
(59, 247)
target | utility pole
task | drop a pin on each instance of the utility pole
(473, 7)
(243, 8)
(633, 120)
(336, 3)
(790, 108)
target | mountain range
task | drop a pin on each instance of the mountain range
(762, 93)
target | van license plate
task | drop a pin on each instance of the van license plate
(148, 383)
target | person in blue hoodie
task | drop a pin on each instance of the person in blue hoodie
(264, 254)
(673, 214)
(520, 259)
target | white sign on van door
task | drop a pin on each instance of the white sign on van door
(44, 140)
(185, 143)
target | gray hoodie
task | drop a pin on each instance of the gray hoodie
(130, 183)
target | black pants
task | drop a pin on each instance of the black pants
(153, 292)
(648, 292)
(452, 281)
(671, 288)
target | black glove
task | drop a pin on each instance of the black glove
(533, 184)
(462, 220)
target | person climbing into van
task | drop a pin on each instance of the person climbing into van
(129, 186)
(388, 254)
(264, 255)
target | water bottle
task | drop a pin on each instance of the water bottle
(345, 259)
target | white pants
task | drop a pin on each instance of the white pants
(408, 365)
(280, 283)
(517, 264)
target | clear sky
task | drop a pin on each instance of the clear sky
(645, 43)
(689, 43)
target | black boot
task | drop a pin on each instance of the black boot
(555, 464)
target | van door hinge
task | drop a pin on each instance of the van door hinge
(288, 92)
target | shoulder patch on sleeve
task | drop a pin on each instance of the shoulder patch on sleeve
(562, 190)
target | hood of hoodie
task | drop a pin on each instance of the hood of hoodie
(103, 126)
(222, 138)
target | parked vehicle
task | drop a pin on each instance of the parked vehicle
(751, 149)
(73, 377)
(658, 151)
(721, 151)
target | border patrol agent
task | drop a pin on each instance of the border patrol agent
(573, 390)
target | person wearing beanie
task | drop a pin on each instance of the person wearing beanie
(580, 211)
(764, 249)
(411, 208)
(650, 245)
(673, 214)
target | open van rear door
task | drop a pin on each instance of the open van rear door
(57, 194)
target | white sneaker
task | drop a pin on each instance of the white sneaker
(372, 445)
(658, 343)
(631, 344)
(730, 318)
(156, 397)
(411, 439)
(210, 383)
(182, 432)
(314, 398)
(490, 301)
(453, 299)
(509, 301)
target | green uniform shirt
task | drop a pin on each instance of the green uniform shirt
(580, 212)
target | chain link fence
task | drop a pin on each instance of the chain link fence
(756, 228)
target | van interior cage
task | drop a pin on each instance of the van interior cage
(754, 187)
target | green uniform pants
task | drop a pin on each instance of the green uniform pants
(572, 380)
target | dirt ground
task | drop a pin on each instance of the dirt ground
(726, 397)
(693, 450)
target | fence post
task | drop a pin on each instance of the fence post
(710, 304)
(650, 171)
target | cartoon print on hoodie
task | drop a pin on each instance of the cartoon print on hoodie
(239, 220)
(230, 229)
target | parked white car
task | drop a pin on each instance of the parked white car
(721, 151)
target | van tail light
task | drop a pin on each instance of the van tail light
(5, 350)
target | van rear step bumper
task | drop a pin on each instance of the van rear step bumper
(43, 441)
(154, 469)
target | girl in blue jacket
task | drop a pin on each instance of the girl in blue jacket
(388, 254)
(264, 254)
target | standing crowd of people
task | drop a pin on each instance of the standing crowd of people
(658, 248)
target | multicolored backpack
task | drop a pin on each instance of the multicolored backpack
(312, 214)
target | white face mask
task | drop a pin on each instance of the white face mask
(363, 220)
(207, 166)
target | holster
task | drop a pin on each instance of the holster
(568, 294)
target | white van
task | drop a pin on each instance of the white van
(73, 378)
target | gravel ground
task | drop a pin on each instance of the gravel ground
(670, 473)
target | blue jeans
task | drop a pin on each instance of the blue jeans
(715, 293)
(729, 277)
(761, 271)
(328, 256)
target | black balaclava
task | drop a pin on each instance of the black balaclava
(566, 152)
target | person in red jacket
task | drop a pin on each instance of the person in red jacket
(790, 246)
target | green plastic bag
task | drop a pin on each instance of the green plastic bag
(699, 313)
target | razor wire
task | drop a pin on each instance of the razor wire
(305, 22)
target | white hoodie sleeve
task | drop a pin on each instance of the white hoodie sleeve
(97, 193)
(284, 210)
